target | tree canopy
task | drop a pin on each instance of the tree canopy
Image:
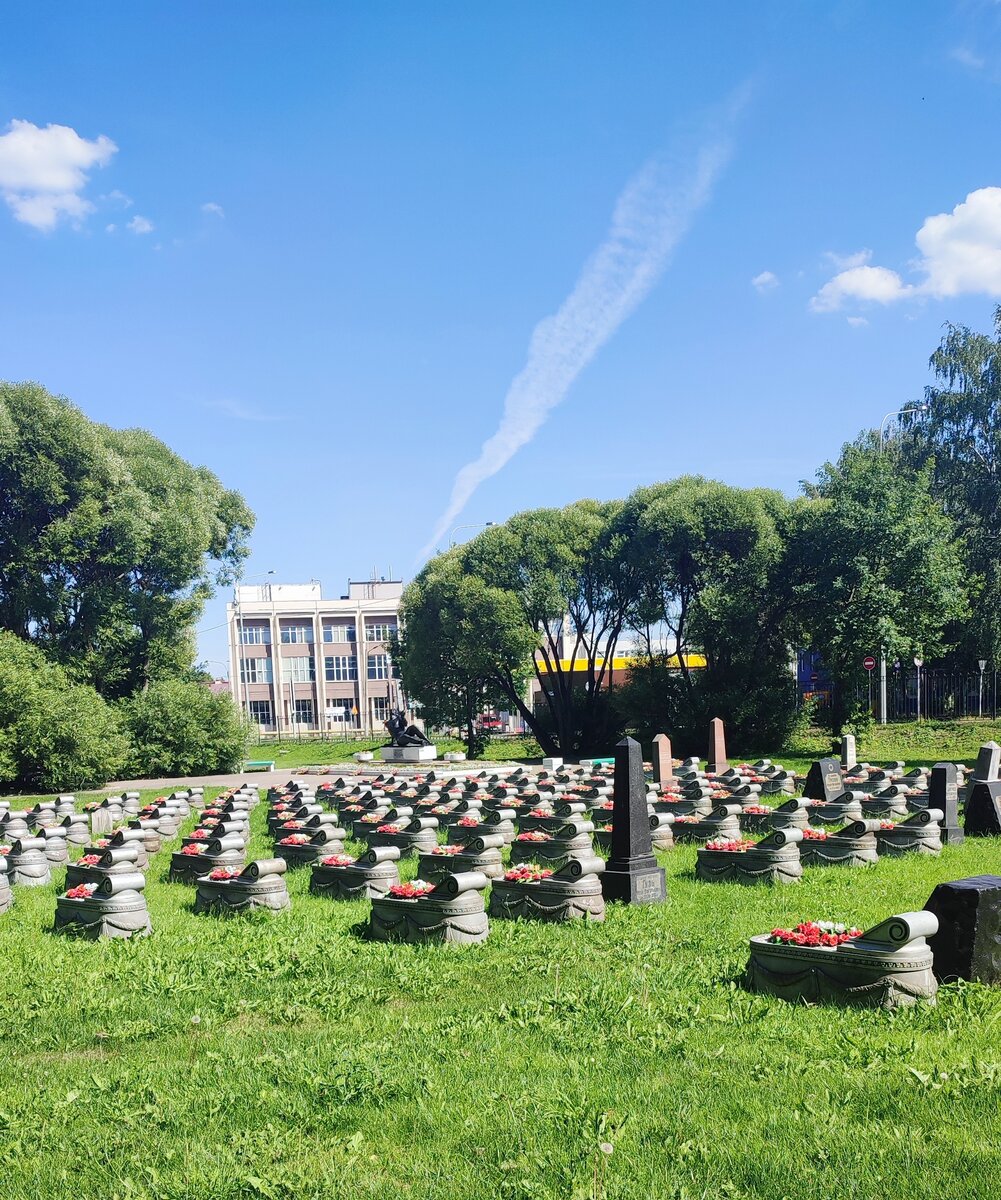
(109, 542)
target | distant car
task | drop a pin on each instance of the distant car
(490, 723)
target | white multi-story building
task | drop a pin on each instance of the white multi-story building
(302, 664)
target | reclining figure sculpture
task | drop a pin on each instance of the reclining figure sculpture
(402, 734)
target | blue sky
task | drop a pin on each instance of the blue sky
(308, 244)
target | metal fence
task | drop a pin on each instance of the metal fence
(943, 694)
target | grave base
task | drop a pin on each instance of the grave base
(635, 887)
(408, 754)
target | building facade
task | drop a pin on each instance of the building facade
(301, 664)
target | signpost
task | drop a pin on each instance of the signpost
(870, 665)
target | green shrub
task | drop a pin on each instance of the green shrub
(55, 735)
(181, 728)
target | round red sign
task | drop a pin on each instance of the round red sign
(869, 662)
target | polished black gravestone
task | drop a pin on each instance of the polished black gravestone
(968, 942)
(943, 793)
(824, 782)
(631, 874)
(983, 810)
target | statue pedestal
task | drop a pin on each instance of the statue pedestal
(408, 754)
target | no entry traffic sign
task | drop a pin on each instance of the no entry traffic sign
(869, 663)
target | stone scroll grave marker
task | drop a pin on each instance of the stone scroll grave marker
(943, 793)
(663, 765)
(632, 874)
(717, 747)
(848, 753)
(824, 781)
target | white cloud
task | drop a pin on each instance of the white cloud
(856, 322)
(960, 255)
(213, 209)
(845, 262)
(44, 171)
(118, 198)
(765, 282)
(876, 284)
(651, 216)
(140, 225)
(110, 228)
(967, 58)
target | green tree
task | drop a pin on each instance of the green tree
(960, 438)
(462, 646)
(544, 593)
(873, 563)
(55, 735)
(109, 542)
(179, 727)
(709, 562)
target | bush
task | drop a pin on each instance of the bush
(181, 728)
(55, 735)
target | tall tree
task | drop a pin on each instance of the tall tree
(872, 564)
(960, 436)
(709, 561)
(109, 542)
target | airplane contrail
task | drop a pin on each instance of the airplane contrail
(652, 214)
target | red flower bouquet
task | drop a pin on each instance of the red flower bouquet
(527, 873)
(814, 933)
(82, 891)
(413, 890)
(337, 860)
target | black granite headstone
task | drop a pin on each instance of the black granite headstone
(983, 810)
(631, 874)
(968, 942)
(943, 793)
(823, 781)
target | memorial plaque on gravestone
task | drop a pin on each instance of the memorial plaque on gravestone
(983, 809)
(823, 781)
(968, 942)
(717, 747)
(663, 766)
(943, 793)
(632, 874)
(848, 757)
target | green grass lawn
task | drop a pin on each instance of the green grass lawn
(284, 1057)
(320, 753)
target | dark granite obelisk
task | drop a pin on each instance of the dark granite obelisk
(631, 874)
(663, 763)
(943, 793)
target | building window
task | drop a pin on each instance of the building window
(303, 714)
(297, 633)
(298, 670)
(260, 712)
(338, 633)
(340, 668)
(380, 708)
(255, 670)
(380, 631)
(378, 666)
(255, 635)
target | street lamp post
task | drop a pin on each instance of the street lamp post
(478, 525)
(982, 664)
(911, 408)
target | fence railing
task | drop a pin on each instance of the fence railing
(943, 694)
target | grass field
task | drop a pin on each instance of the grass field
(286, 1057)
(918, 744)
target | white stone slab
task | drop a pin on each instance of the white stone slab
(408, 753)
